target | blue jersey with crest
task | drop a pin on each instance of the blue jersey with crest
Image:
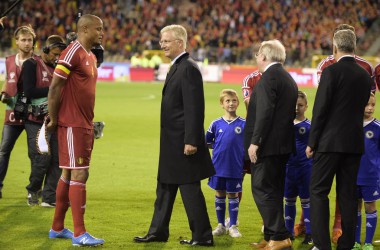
(227, 140)
(301, 132)
(369, 171)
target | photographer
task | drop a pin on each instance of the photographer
(37, 75)
(13, 127)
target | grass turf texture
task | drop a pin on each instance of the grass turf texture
(121, 187)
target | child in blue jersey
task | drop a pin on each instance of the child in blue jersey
(225, 137)
(298, 171)
(368, 176)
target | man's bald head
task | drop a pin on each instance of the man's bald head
(86, 21)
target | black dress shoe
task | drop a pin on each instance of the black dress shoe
(148, 238)
(208, 243)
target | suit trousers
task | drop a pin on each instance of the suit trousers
(268, 183)
(325, 167)
(195, 206)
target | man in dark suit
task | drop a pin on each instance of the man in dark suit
(269, 140)
(336, 141)
(184, 158)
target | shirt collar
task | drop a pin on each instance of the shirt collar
(273, 63)
(175, 59)
(345, 56)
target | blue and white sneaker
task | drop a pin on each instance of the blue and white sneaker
(86, 239)
(64, 234)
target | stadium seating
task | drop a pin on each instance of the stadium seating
(222, 31)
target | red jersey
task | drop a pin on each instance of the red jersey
(78, 67)
(330, 60)
(249, 82)
(376, 74)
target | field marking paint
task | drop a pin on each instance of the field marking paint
(149, 97)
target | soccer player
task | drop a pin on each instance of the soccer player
(225, 137)
(298, 171)
(71, 103)
(13, 127)
(249, 83)
(337, 228)
(376, 73)
(368, 176)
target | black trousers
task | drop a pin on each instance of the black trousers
(44, 168)
(325, 167)
(195, 206)
(268, 183)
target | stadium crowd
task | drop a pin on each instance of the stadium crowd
(222, 31)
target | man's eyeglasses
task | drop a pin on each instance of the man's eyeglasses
(164, 42)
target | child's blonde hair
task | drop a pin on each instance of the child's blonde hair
(226, 92)
(302, 95)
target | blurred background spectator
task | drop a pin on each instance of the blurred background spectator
(220, 31)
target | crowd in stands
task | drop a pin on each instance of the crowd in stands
(223, 31)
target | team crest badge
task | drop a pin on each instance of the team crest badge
(80, 160)
(12, 77)
(238, 130)
(44, 76)
(302, 130)
(369, 134)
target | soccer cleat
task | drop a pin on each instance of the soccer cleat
(64, 234)
(47, 204)
(335, 235)
(357, 246)
(32, 199)
(233, 231)
(308, 240)
(299, 230)
(367, 246)
(86, 239)
(227, 222)
(219, 230)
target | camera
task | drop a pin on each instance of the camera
(40, 110)
(21, 107)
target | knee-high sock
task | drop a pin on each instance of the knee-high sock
(77, 195)
(62, 204)
(220, 207)
(358, 227)
(338, 217)
(370, 228)
(233, 210)
(290, 213)
(305, 204)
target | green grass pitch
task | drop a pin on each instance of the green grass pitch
(121, 187)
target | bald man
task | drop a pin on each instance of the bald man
(71, 103)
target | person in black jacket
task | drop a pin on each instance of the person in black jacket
(184, 158)
(336, 141)
(37, 75)
(269, 140)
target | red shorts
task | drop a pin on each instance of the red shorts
(75, 147)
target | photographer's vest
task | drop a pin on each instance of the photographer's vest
(44, 76)
(10, 88)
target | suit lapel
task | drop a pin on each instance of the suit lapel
(172, 70)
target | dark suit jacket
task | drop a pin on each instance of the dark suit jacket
(338, 110)
(182, 117)
(271, 112)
